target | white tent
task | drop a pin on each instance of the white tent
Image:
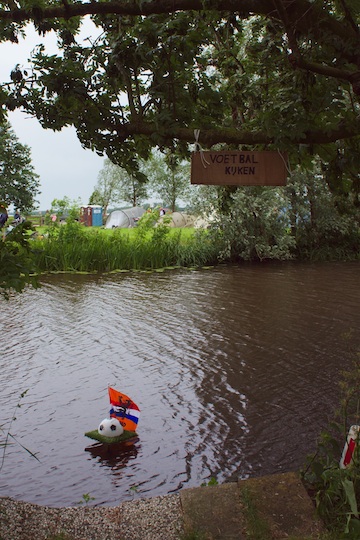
(178, 219)
(124, 219)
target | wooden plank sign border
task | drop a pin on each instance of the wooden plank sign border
(236, 168)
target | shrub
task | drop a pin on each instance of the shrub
(336, 491)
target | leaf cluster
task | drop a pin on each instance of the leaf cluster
(17, 264)
(252, 225)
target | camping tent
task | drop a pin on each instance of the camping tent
(124, 218)
(178, 219)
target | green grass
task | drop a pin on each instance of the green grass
(74, 248)
(256, 527)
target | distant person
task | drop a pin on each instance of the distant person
(3, 219)
(17, 217)
(3, 216)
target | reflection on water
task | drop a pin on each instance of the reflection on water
(116, 455)
(235, 371)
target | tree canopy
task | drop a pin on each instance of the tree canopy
(116, 185)
(168, 178)
(18, 181)
(272, 74)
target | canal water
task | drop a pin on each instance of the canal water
(235, 370)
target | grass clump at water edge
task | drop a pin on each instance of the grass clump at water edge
(74, 248)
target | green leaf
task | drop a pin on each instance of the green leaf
(318, 469)
(354, 528)
(351, 496)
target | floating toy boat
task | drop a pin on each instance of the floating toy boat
(122, 424)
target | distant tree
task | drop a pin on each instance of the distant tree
(66, 207)
(133, 189)
(205, 200)
(18, 181)
(178, 182)
(168, 176)
(115, 184)
(106, 191)
(96, 198)
(319, 218)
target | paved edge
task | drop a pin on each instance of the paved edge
(283, 504)
(213, 512)
(270, 507)
(224, 512)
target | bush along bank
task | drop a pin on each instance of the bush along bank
(336, 490)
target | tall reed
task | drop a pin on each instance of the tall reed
(72, 247)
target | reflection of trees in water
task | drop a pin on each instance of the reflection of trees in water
(116, 455)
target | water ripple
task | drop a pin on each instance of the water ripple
(234, 370)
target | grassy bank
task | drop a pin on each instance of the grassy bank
(75, 248)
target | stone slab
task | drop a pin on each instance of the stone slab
(213, 512)
(281, 502)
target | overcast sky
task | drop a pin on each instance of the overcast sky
(64, 167)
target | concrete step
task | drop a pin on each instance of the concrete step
(267, 508)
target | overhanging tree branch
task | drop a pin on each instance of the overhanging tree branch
(298, 60)
(211, 137)
(298, 17)
(328, 71)
(134, 8)
(302, 13)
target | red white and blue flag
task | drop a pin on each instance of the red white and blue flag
(124, 409)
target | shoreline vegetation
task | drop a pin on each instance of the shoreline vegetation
(335, 488)
(72, 247)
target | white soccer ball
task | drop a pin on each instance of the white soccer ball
(110, 427)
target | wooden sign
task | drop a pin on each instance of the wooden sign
(236, 168)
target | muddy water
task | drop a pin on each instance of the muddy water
(234, 369)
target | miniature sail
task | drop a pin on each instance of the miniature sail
(124, 409)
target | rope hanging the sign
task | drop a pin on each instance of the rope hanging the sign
(286, 163)
(198, 148)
